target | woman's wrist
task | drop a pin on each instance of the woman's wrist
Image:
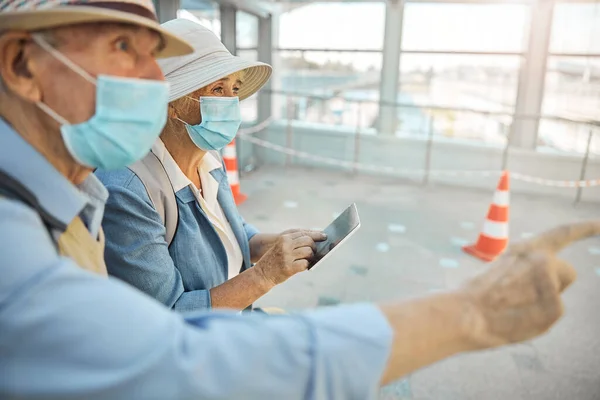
(260, 279)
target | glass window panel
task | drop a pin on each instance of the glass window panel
(247, 30)
(576, 28)
(567, 137)
(208, 16)
(445, 87)
(325, 72)
(249, 107)
(334, 26)
(572, 87)
(339, 80)
(572, 91)
(480, 82)
(250, 55)
(465, 27)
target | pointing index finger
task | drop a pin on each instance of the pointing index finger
(560, 237)
(317, 236)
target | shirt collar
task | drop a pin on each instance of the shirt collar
(176, 176)
(93, 212)
(55, 193)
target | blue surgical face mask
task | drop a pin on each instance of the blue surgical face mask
(130, 115)
(221, 120)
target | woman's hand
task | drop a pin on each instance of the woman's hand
(289, 254)
(262, 242)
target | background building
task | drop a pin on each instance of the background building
(400, 105)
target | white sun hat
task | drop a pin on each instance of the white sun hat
(209, 62)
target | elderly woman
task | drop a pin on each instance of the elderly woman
(171, 223)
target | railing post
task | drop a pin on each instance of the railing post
(428, 149)
(584, 165)
(357, 138)
(508, 135)
(289, 136)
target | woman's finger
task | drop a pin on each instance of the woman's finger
(303, 253)
(304, 241)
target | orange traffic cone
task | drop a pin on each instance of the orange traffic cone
(494, 237)
(231, 164)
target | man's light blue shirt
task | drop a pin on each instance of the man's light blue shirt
(68, 334)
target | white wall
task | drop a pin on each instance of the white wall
(410, 153)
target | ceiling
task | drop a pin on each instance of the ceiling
(260, 7)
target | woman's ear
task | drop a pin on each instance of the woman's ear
(190, 108)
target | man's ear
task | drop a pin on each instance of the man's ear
(17, 66)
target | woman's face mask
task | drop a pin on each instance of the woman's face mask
(130, 115)
(221, 120)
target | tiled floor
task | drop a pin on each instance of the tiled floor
(409, 245)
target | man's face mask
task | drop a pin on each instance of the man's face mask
(130, 115)
(221, 119)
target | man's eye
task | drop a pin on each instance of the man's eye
(122, 45)
(218, 90)
(235, 89)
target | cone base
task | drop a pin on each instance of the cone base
(239, 198)
(472, 250)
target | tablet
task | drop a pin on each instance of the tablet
(338, 232)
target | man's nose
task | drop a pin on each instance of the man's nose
(148, 69)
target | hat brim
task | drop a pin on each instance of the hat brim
(70, 15)
(198, 75)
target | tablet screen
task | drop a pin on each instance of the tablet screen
(340, 229)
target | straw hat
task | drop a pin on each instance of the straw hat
(209, 62)
(32, 15)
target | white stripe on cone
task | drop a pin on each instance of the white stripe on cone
(229, 152)
(502, 198)
(495, 230)
(233, 177)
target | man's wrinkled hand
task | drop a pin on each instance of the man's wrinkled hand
(519, 297)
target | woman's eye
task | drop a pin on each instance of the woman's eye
(235, 90)
(218, 90)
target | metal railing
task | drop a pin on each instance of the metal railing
(431, 129)
(290, 94)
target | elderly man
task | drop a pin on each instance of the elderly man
(80, 90)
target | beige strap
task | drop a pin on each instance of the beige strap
(155, 179)
(160, 190)
(78, 244)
